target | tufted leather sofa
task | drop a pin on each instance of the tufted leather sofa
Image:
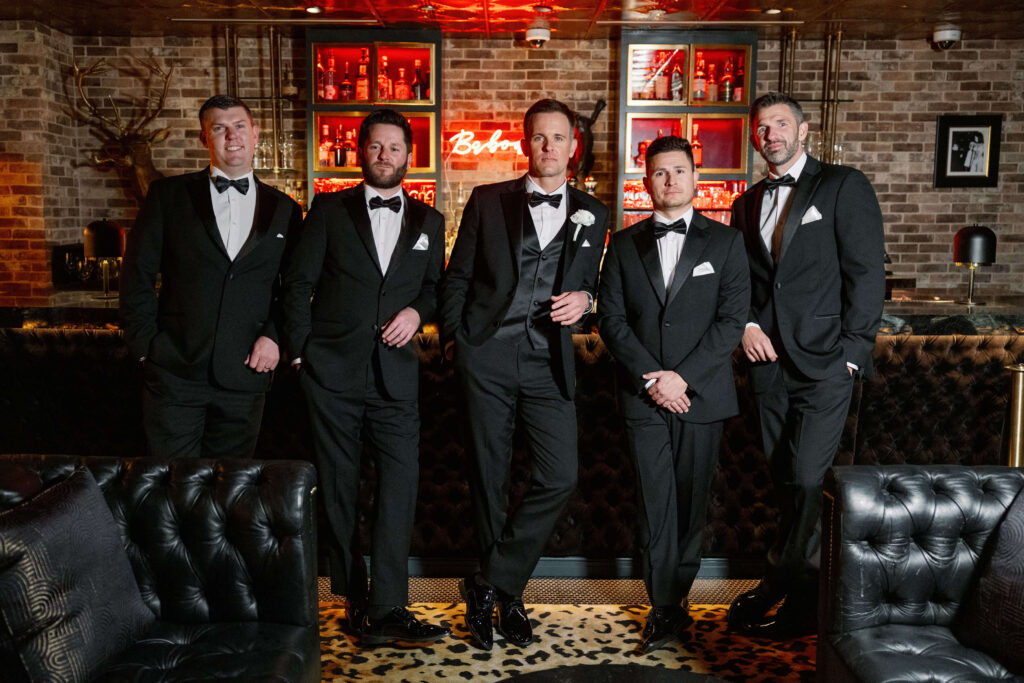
(224, 553)
(900, 547)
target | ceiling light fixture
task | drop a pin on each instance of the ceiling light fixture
(542, 9)
(314, 9)
(428, 8)
(773, 10)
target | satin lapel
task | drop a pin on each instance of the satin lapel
(355, 202)
(412, 218)
(754, 223)
(263, 216)
(647, 248)
(802, 196)
(512, 206)
(694, 245)
(199, 191)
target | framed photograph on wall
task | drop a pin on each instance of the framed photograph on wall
(967, 150)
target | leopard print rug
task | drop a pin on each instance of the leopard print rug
(565, 635)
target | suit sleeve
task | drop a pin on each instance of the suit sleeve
(590, 276)
(613, 325)
(275, 321)
(737, 218)
(723, 336)
(459, 273)
(141, 264)
(860, 240)
(426, 302)
(301, 276)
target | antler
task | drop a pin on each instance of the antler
(152, 113)
(108, 125)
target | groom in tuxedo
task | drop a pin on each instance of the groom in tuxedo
(362, 279)
(673, 300)
(814, 239)
(208, 341)
(523, 271)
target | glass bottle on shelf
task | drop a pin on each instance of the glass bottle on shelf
(402, 90)
(696, 148)
(678, 83)
(427, 81)
(737, 88)
(319, 77)
(330, 80)
(351, 158)
(661, 78)
(712, 84)
(338, 149)
(647, 91)
(324, 156)
(415, 154)
(700, 82)
(385, 89)
(346, 92)
(363, 76)
(727, 89)
(418, 88)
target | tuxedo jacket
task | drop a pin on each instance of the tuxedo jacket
(693, 328)
(483, 272)
(823, 301)
(337, 298)
(210, 309)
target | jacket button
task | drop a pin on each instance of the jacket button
(375, 328)
(231, 276)
(543, 257)
(778, 285)
(668, 324)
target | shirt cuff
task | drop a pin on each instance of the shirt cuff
(296, 361)
(852, 366)
(752, 325)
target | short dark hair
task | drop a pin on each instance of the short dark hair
(222, 102)
(390, 117)
(670, 143)
(547, 106)
(770, 99)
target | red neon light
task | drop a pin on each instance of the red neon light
(464, 143)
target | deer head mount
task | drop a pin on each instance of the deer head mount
(126, 140)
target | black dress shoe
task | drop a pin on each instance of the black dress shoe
(513, 622)
(355, 611)
(399, 625)
(479, 600)
(748, 609)
(663, 624)
(788, 622)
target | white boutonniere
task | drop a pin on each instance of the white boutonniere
(582, 219)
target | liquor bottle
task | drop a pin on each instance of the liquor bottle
(678, 83)
(402, 90)
(346, 92)
(419, 88)
(727, 88)
(648, 90)
(338, 149)
(737, 87)
(363, 77)
(700, 82)
(351, 158)
(712, 84)
(696, 148)
(385, 89)
(415, 155)
(661, 78)
(330, 80)
(319, 77)
(426, 80)
(324, 155)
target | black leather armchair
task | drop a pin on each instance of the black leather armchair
(900, 548)
(224, 553)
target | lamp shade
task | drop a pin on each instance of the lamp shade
(103, 239)
(974, 244)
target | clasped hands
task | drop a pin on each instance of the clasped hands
(668, 390)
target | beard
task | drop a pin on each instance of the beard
(384, 178)
(784, 155)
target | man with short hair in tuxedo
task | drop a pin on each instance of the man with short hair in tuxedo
(523, 271)
(815, 244)
(675, 290)
(362, 279)
(216, 238)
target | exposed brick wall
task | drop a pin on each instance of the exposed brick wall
(24, 262)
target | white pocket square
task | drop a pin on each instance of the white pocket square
(810, 216)
(703, 269)
(586, 243)
(280, 236)
(422, 244)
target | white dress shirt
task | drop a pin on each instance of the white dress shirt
(385, 224)
(234, 211)
(547, 220)
(775, 205)
(670, 246)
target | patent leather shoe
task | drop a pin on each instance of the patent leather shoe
(355, 612)
(479, 599)
(749, 609)
(787, 623)
(399, 625)
(663, 624)
(513, 622)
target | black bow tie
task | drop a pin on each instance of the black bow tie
(393, 203)
(773, 183)
(662, 229)
(538, 198)
(222, 183)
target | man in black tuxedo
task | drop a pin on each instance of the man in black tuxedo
(523, 270)
(209, 340)
(675, 291)
(363, 276)
(814, 239)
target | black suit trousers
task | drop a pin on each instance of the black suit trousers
(675, 462)
(801, 425)
(339, 420)
(501, 380)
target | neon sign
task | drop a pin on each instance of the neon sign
(464, 143)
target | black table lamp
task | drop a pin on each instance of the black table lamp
(972, 247)
(104, 244)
